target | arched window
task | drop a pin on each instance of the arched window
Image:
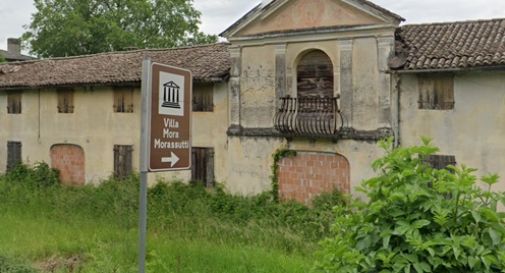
(315, 75)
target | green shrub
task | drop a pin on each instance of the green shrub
(418, 219)
(18, 174)
(40, 175)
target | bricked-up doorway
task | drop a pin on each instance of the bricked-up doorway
(69, 160)
(307, 175)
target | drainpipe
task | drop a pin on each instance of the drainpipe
(397, 113)
(38, 133)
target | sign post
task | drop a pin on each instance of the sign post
(165, 130)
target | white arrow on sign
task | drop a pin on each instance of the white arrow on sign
(173, 159)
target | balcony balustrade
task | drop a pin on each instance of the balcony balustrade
(308, 117)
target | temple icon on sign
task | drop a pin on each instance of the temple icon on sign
(171, 96)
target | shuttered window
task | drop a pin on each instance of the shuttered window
(123, 100)
(203, 100)
(13, 154)
(122, 161)
(436, 91)
(65, 101)
(202, 169)
(14, 103)
(440, 162)
(315, 75)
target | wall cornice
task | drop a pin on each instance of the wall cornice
(346, 133)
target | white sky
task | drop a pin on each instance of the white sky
(217, 15)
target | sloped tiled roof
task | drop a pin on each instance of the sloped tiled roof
(208, 63)
(456, 45)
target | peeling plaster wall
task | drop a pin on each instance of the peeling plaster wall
(257, 86)
(365, 81)
(268, 71)
(93, 126)
(209, 129)
(360, 77)
(473, 131)
(249, 160)
(96, 128)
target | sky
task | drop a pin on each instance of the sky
(217, 15)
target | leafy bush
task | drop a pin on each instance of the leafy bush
(40, 175)
(418, 219)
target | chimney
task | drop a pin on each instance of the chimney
(14, 46)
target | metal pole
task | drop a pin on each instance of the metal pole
(143, 222)
(144, 150)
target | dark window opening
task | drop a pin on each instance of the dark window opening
(440, 162)
(122, 161)
(202, 169)
(203, 100)
(65, 101)
(13, 154)
(123, 100)
(14, 103)
(315, 75)
(436, 92)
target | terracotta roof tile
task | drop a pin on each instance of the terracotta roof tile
(450, 45)
(208, 63)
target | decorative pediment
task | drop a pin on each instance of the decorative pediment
(291, 15)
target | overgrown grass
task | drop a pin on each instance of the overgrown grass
(9, 266)
(191, 229)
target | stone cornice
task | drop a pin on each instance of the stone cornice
(344, 134)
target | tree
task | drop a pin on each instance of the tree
(2, 59)
(419, 220)
(77, 27)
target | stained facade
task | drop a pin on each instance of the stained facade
(324, 78)
(327, 87)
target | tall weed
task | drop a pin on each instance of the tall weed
(8, 266)
(181, 211)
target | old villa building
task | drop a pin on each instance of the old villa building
(82, 114)
(324, 78)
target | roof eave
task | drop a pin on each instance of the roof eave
(69, 85)
(384, 11)
(229, 30)
(311, 31)
(451, 69)
(212, 79)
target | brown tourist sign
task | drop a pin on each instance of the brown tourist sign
(169, 139)
(165, 143)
